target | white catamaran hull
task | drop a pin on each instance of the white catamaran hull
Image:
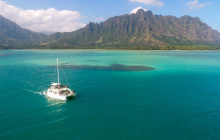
(56, 96)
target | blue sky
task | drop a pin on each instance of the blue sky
(99, 10)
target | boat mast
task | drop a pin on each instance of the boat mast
(58, 78)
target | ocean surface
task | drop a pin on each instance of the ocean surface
(118, 97)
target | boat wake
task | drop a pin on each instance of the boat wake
(35, 92)
(40, 92)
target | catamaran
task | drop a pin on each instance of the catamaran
(58, 90)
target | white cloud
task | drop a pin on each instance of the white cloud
(149, 2)
(136, 9)
(49, 20)
(98, 19)
(192, 5)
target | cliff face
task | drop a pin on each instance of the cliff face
(143, 29)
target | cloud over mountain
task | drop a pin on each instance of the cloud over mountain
(136, 9)
(192, 5)
(49, 20)
(149, 2)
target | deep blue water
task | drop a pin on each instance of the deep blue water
(178, 100)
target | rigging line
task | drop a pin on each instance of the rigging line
(54, 74)
(64, 73)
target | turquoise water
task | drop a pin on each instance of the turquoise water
(178, 100)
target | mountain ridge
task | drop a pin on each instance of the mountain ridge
(142, 30)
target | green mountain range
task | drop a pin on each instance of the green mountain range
(13, 36)
(142, 30)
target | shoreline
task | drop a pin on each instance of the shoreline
(97, 50)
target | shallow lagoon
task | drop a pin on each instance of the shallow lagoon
(177, 99)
